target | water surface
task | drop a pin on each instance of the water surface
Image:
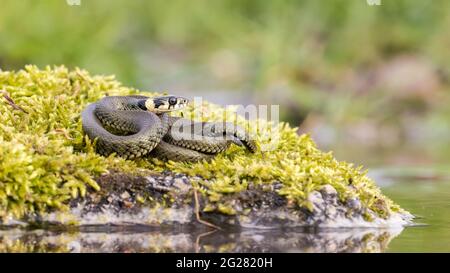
(429, 199)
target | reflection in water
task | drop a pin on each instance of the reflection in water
(355, 240)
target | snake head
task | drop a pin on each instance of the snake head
(165, 104)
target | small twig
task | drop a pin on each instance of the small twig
(76, 88)
(197, 212)
(11, 102)
(64, 133)
(81, 75)
(197, 240)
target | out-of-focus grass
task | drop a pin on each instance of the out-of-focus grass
(302, 49)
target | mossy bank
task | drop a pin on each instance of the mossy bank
(50, 172)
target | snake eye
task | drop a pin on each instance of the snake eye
(172, 100)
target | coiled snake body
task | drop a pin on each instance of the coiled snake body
(138, 126)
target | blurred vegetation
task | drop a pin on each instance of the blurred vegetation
(337, 60)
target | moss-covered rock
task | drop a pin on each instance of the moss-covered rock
(47, 166)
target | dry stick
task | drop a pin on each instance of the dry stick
(197, 240)
(64, 133)
(11, 102)
(197, 212)
(81, 75)
(76, 88)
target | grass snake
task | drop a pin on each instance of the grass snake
(139, 126)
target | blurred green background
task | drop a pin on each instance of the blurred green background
(371, 83)
(347, 72)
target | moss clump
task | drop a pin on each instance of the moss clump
(45, 160)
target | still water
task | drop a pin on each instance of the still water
(429, 200)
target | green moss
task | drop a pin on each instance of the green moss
(45, 160)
